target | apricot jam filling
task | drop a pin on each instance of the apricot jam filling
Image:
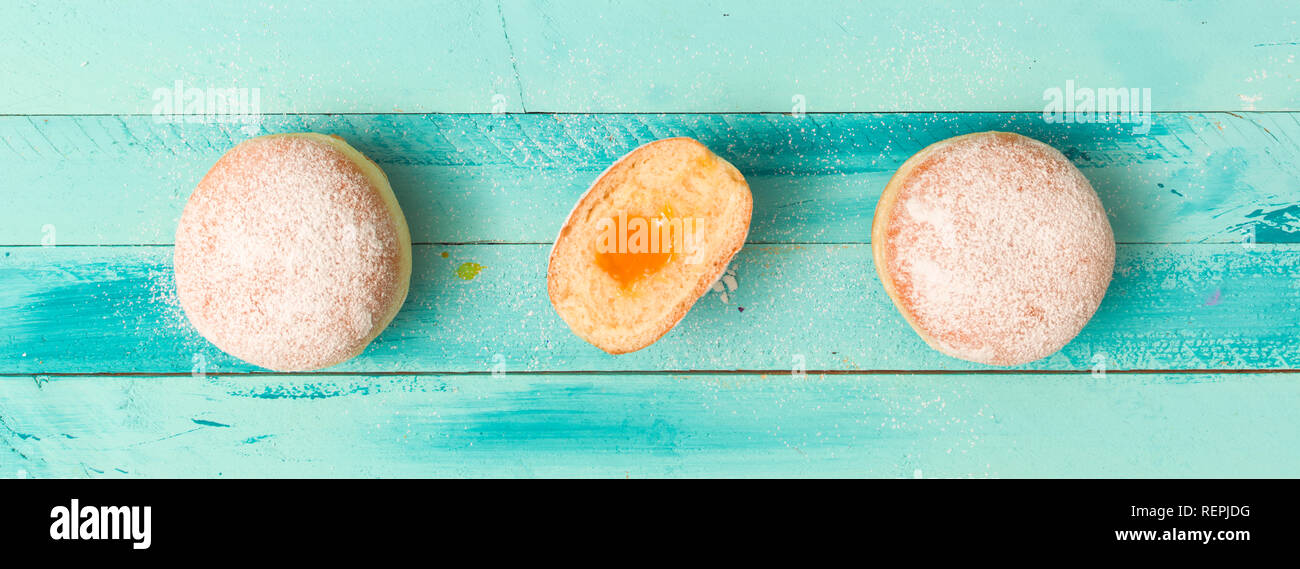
(631, 248)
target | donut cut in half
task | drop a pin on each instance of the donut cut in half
(646, 241)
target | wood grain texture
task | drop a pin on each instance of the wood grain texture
(1201, 177)
(950, 425)
(1201, 307)
(84, 165)
(578, 56)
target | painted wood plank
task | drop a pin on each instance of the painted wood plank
(673, 55)
(327, 56)
(513, 178)
(1204, 307)
(1120, 425)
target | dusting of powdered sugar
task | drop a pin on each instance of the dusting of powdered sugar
(286, 256)
(999, 249)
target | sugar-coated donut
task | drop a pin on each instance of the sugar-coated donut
(994, 247)
(292, 253)
(646, 241)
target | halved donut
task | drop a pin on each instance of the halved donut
(646, 241)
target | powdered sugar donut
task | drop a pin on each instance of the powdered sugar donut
(994, 247)
(292, 253)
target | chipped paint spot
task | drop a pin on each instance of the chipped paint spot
(1278, 224)
(1214, 298)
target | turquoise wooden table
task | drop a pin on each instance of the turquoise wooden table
(491, 119)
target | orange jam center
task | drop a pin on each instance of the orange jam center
(635, 247)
